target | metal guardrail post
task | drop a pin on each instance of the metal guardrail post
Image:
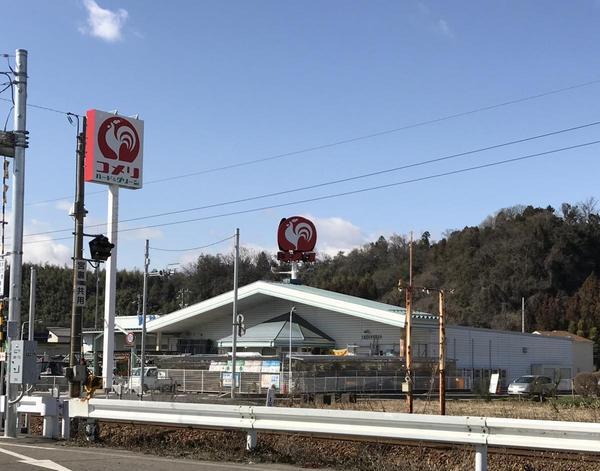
(481, 458)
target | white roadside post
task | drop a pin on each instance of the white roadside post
(16, 249)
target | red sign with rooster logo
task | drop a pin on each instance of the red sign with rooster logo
(114, 149)
(297, 237)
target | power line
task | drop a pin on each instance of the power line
(351, 192)
(334, 182)
(194, 248)
(47, 108)
(346, 141)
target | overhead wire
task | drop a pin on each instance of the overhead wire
(350, 192)
(338, 181)
(342, 141)
(194, 248)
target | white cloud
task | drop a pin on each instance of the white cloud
(444, 28)
(41, 250)
(103, 23)
(335, 235)
(64, 206)
(141, 234)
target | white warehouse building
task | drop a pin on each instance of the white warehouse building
(323, 320)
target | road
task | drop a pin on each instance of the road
(38, 454)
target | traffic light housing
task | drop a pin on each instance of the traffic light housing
(100, 248)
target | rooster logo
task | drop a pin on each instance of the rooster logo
(118, 140)
(296, 234)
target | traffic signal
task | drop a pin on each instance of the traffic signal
(100, 248)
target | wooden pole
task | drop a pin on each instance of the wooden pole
(442, 354)
(408, 327)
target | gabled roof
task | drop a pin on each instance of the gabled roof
(276, 333)
(563, 334)
(329, 300)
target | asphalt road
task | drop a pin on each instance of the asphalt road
(38, 454)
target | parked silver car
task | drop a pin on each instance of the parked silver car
(531, 385)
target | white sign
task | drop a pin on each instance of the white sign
(494, 383)
(266, 381)
(2, 270)
(114, 149)
(2, 356)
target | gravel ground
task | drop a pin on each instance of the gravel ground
(320, 453)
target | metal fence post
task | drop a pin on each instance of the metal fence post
(202, 381)
(184, 387)
(481, 458)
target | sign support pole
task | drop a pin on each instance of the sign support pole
(16, 252)
(110, 297)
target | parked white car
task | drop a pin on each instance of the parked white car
(531, 385)
(154, 380)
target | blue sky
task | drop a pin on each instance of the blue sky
(219, 83)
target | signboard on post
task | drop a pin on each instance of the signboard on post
(80, 291)
(114, 150)
(2, 270)
(296, 237)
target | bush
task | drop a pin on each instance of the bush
(586, 384)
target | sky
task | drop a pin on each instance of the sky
(293, 94)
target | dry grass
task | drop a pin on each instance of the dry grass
(552, 409)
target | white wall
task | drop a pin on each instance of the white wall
(482, 348)
(345, 330)
(583, 357)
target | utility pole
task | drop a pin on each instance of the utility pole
(408, 328)
(32, 284)
(78, 270)
(442, 352)
(144, 307)
(16, 251)
(523, 315)
(235, 313)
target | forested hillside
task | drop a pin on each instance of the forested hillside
(550, 257)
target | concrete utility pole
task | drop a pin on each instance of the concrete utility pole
(16, 251)
(235, 313)
(32, 286)
(78, 284)
(144, 307)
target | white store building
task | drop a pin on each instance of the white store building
(324, 319)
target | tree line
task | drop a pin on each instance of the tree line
(550, 257)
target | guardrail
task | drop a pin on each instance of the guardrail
(477, 431)
(51, 409)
